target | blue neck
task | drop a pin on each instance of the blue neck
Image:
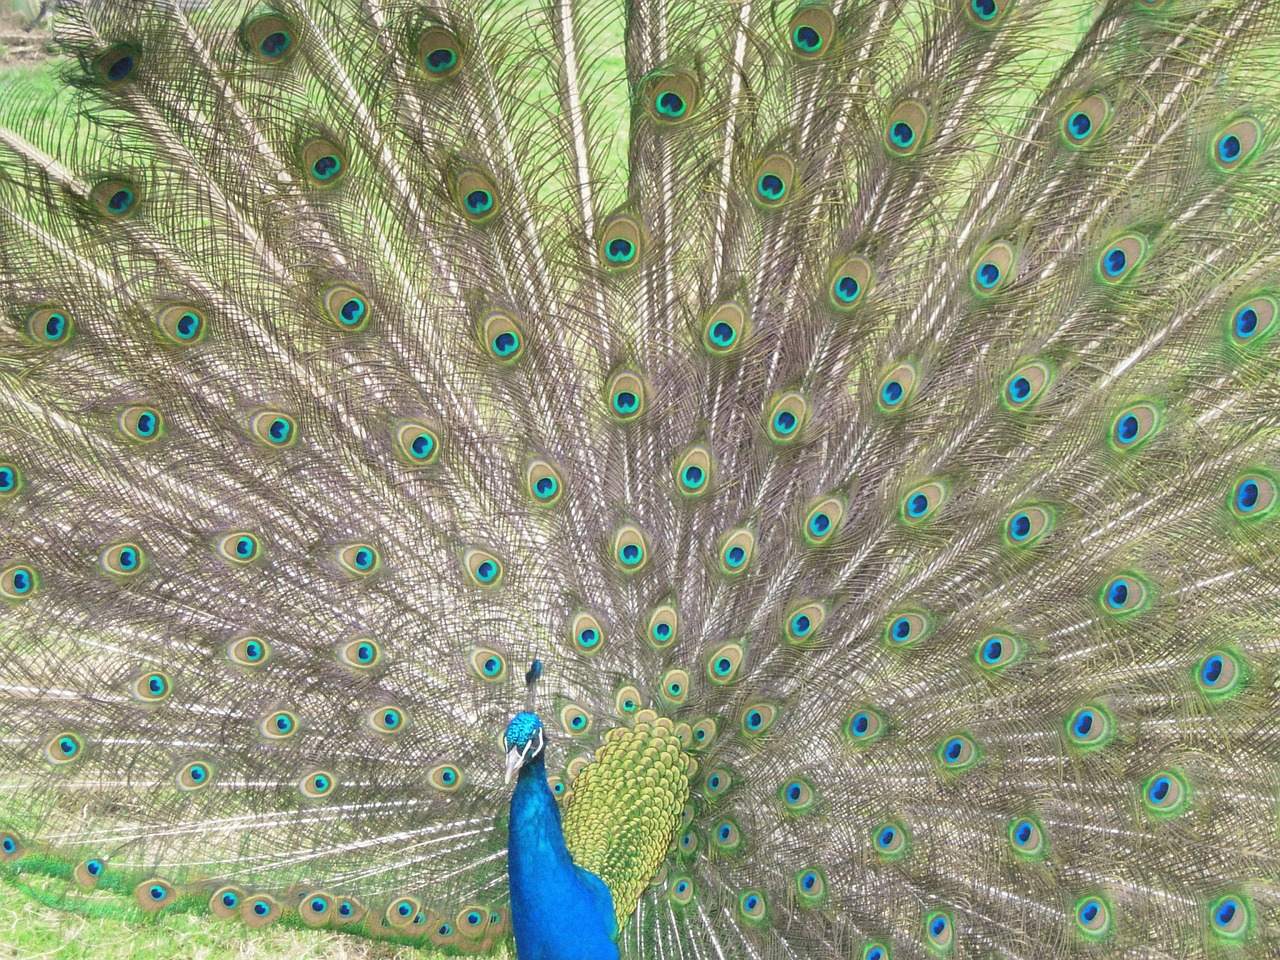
(558, 910)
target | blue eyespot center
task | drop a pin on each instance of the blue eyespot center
(1229, 148)
(630, 554)
(723, 333)
(861, 724)
(1118, 594)
(985, 9)
(1211, 670)
(807, 39)
(120, 201)
(1127, 428)
(1083, 724)
(1159, 789)
(771, 186)
(1019, 389)
(755, 719)
(1114, 262)
(1225, 913)
(918, 505)
(478, 201)
(735, 556)
(1080, 125)
(670, 104)
(692, 476)
(784, 422)
(1023, 833)
(902, 134)
(121, 69)
(1020, 527)
(157, 892)
(938, 927)
(422, 446)
(275, 45)
(1247, 495)
(1089, 912)
(486, 571)
(847, 289)
(326, 167)
(988, 275)
(441, 60)
(800, 625)
(1246, 322)
(620, 250)
(505, 343)
(891, 392)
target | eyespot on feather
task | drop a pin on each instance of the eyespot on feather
(346, 307)
(269, 38)
(444, 777)
(1134, 425)
(316, 908)
(1027, 838)
(906, 129)
(1085, 119)
(63, 748)
(848, 283)
(249, 651)
(1025, 385)
(1252, 321)
(489, 665)
(317, 784)
(50, 326)
(193, 776)
(476, 196)
(239, 547)
(774, 181)
(735, 551)
(895, 387)
(785, 416)
(482, 568)
(804, 623)
(574, 720)
(115, 198)
(586, 633)
(117, 65)
(890, 840)
(1027, 525)
(182, 323)
(11, 848)
(152, 686)
(757, 718)
(625, 396)
(18, 582)
(824, 520)
(670, 96)
(724, 663)
(811, 32)
(10, 479)
(997, 651)
(923, 502)
(278, 725)
(1093, 917)
(865, 725)
(88, 872)
(154, 894)
(387, 718)
(359, 559)
(1236, 143)
(273, 428)
(993, 269)
(724, 329)
(122, 559)
(620, 242)
(987, 13)
(1121, 257)
(543, 482)
(1090, 727)
(140, 423)
(417, 443)
(692, 471)
(630, 548)
(662, 626)
(908, 628)
(260, 910)
(1125, 594)
(438, 53)
(502, 337)
(674, 686)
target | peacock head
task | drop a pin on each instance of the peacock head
(523, 741)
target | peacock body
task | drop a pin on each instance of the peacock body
(866, 413)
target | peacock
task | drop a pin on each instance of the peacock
(701, 479)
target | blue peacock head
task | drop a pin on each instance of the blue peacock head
(523, 741)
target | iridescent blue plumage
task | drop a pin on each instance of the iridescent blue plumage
(558, 910)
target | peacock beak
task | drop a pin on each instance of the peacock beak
(515, 759)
